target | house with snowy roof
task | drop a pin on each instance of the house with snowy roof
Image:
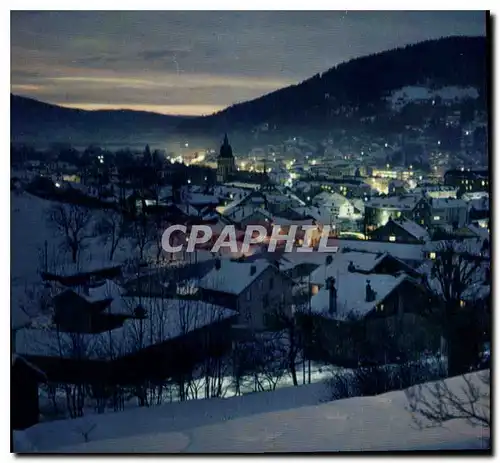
(90, 308)
(253, 289)
(375, 317)
(378, 211)
(357, 262)
(400, 230)
(169, 336)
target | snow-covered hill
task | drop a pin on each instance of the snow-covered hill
(289, 420)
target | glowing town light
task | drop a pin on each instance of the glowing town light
(313, 162)
(462, 169)
(189, 180)
(205, 179)
(186, 145)
(386, 145)
(309, 198)
(439, 142)
(388, 166)
(58, 185)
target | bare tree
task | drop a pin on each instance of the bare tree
(288, 334)
(456, 273)
(143, 234)
(73, 222)
(467, 398)
(113, 228)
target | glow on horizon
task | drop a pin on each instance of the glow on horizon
(171, 110)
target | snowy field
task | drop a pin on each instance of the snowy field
(293, 419)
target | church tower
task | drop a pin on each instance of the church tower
(225, 161)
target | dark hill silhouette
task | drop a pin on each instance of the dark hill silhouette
(33, 119)
(360, 85)
(339, 97)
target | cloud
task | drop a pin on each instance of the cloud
(205, 58)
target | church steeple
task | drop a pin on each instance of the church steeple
(225, 163)
(225, 150)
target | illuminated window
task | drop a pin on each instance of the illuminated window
(381, 307)
(398, 214)
(392, 238)
(422, 221)
(436, 217)
(314, 289)
(432, 255)
(462, 303)
(483, 183)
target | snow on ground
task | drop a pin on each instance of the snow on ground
(289, 420)
(416, 94)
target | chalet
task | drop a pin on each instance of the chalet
(357, 262)
(378, 211)
(251, 289)
(376, 317)
(400, 230)
(91, 309)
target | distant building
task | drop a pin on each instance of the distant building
(225, 162)
(251, 289)
(400, 230)
(468, 180)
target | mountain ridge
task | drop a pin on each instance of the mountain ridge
(343, 95)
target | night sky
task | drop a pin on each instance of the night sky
(200, 62)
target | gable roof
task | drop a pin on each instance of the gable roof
(363, 261)
(233, 277)
(167, 319)
(412, 228)
(351, 290)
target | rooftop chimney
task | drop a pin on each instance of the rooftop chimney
(370, 294)
(217, 264)
(253, 269)
(351, 268)
(332, 295)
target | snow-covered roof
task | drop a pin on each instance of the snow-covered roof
(363, 261)
(167, 319)
(406, 202)
(402, 251)
(467, 246)
(201, 199)
(413, 229)
(351, 291)
(232, 206)
(233, 277)
(444, 203)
